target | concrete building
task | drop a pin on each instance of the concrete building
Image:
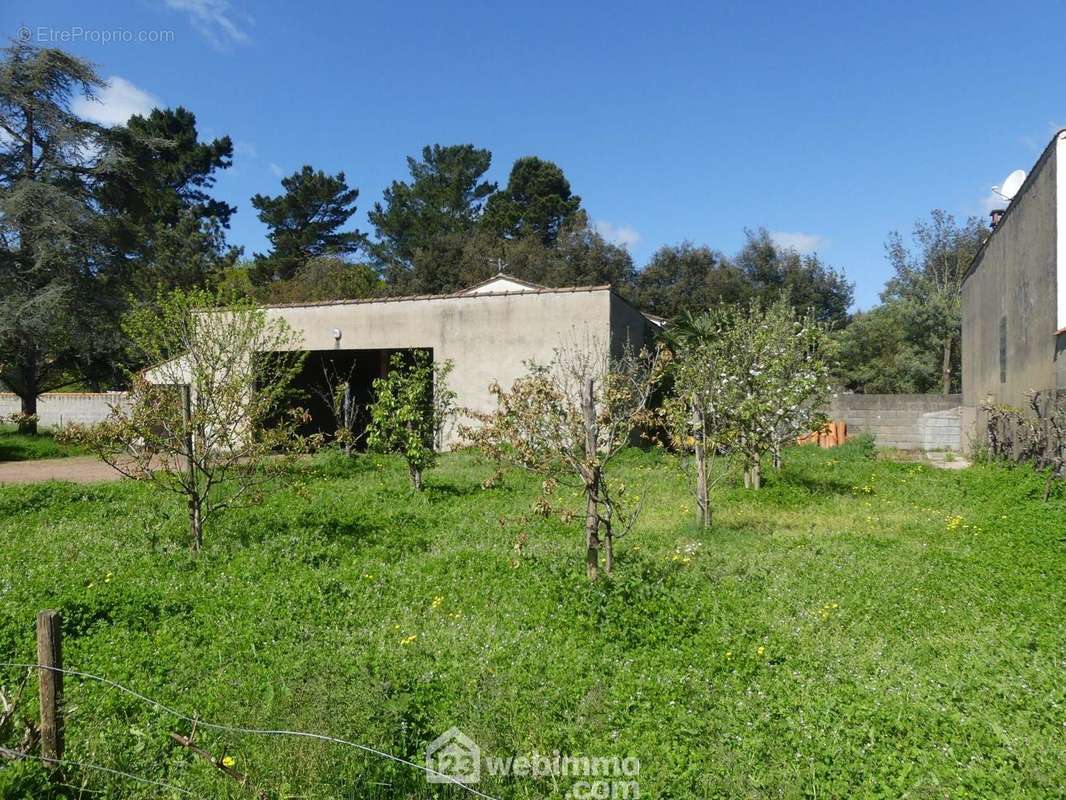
(488, 331)
(1014, 296)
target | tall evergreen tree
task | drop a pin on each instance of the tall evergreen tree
(50, 231)
(422, 224)
(305, 222)
(164, 228)
(537, 201)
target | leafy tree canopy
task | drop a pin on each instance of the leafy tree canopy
(51, 304)
(537, 201)
(422, 221)
(773, 272)
(306, 221)
(688, 278)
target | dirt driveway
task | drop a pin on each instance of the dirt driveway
(78, 469)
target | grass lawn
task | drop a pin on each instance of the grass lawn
(858, 628)
(15, 446)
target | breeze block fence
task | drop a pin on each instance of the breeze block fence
(904, 421)
(56, 409)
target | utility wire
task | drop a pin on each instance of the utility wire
(253, 731)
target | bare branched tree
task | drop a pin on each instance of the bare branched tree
(567, 420)
(336, 392)
(209, 420)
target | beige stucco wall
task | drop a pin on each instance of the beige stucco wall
(487, 336)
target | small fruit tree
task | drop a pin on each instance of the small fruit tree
(747, 379)
(566, 421)
(209, 419)
(412, 405)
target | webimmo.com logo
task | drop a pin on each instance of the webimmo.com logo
(453, 757)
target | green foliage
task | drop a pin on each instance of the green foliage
(53, 310)
(320, 279)
(892, 349)
(422, 222)
(536, 202)
(687, 278)
(305, 223)
(16, 446)
(748, 379)
(775, 272)
(903, 654)
(910, 342)
(412, 405)
(208, 420)
(164, 228)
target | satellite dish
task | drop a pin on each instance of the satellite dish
(1011, 185)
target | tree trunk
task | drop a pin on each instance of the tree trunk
(592, 530)
(196, 522)
(946, 367)
(756, 473)
(592, 483)
(608, 552)
(192, 487)
(416, 478)
(28, 423)
(703, 510)
(777, 455)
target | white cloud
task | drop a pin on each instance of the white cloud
(278, 171)
(623, 235)
(115, 103)
(214, 19)
(800, 242)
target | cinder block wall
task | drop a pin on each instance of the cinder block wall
(56, 409)
(906, 421)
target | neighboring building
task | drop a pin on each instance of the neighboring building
(1014, 296)
(488, 331)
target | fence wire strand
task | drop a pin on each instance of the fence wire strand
(236, 729)
(86, 765)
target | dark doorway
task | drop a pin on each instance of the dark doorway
(323, 372)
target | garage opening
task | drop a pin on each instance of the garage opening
(333, 383)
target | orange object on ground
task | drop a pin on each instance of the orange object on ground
(833, 433)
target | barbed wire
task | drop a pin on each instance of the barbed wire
(236, 729)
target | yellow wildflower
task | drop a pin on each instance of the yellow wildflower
(229, 761)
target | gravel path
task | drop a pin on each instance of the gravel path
(78, 469)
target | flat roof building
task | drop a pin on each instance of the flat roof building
(489, 331)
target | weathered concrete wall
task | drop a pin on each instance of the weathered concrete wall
(488, 336)
(56, 409)
(1014, 282)
(906, 421)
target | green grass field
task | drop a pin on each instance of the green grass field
(15, 446)
(859, 628)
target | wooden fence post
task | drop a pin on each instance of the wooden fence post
(50, 654)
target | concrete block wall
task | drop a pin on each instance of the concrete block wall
(56, 409)
(905, 421)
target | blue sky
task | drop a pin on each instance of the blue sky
(828, 124)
